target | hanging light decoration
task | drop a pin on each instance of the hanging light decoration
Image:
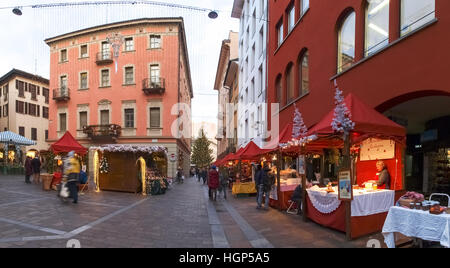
(213, 14)
(17, 11)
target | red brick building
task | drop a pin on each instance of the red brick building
(392, 54)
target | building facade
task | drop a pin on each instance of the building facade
(389, 53)
(131, 93)
(252, 112)
(225, 131)
(24, 102)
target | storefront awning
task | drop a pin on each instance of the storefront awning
(8, 137)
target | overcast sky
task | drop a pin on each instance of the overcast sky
(22, 44)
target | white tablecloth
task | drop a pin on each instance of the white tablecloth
(363, 204)
(416, 223)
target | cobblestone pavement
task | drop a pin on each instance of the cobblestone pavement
(182, 218)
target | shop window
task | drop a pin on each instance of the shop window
(346, 43)
(415, 14)
(377, 25)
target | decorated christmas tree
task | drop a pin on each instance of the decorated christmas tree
(342, 121)
(104, 165)
(201, 152)
(299, 129)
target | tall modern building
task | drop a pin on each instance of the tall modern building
(24, 106)
(129, 92)
(252, 112)
(391, 54)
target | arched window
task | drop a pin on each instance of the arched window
(290, 91)
(346, 42)
(279, 89)
(414, 14)
(303, 73)
(377, 25)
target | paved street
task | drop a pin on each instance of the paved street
(183, 217)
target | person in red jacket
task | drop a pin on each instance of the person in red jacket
(213, 182)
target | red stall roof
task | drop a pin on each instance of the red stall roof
(66, 144)
(367, 121)
(284, 137)
(251, 151)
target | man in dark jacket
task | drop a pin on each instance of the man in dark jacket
(265, 183)
(36, 166)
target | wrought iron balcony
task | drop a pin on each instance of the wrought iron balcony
(154, 85)
(103, 132)
(104, 58)
(61, 94)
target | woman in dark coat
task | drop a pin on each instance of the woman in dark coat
(213, 182)
(28, 170)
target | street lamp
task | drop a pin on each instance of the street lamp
(17, 11)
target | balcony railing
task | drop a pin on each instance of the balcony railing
(61, 94)
(103, 132)
(154, 85)
(104, 57)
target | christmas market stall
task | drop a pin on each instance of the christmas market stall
(53, 160)
(12, 154)
(361, 137)
(242, 164)
(289, 160)
(130, 168)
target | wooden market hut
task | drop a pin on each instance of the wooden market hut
(116, 167)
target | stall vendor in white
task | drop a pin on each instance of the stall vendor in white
(384, 178)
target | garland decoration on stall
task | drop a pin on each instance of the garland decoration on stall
(104, 165)
(342, 121)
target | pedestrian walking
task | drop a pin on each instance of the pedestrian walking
(266, 181)
(223, 182)
(28, 170)
(204, 175)
(72, 171)
(258, 181)
(179, 175)
(36, 167)
(213, 182)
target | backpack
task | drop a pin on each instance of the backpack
(267, 178)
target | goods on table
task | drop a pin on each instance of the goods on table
(410, 197)
(437, 209)
(156, 185)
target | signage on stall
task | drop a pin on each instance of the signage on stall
(376, 149)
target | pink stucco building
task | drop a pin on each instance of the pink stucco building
(130, 99)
